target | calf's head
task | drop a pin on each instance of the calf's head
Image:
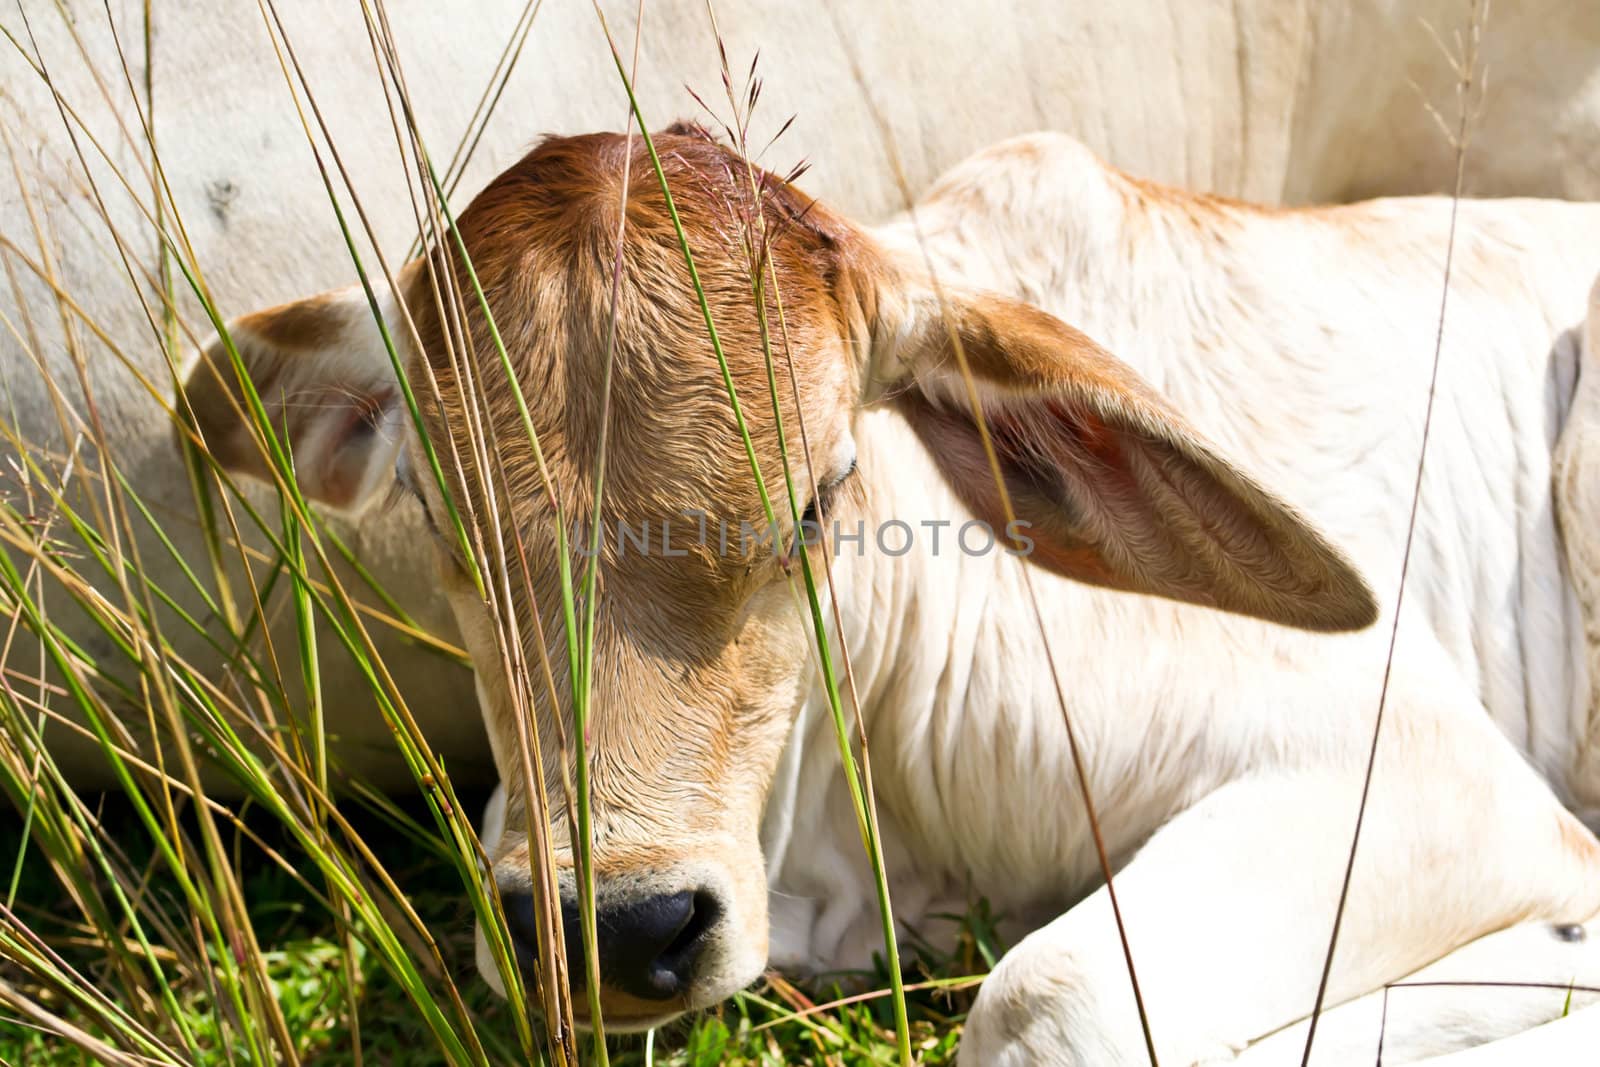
(700, 654)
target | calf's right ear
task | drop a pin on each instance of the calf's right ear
(328, 386)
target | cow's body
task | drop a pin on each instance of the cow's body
(1226, 756)
(1277, 101)
(1302, 343)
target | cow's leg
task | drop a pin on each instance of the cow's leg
(1501, 985)
(1569, 1040)
(1228, 907)
(1576, 483)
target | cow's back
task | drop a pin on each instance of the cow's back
(1261, 98)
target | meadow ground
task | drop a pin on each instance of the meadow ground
(773, 1023)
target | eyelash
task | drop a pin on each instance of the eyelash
(822, 503)
(427, 516)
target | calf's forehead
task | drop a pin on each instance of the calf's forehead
(543, 243)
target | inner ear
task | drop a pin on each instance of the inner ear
(1045, 478)
(1106, 483)
(327, 386)
(1107, 489)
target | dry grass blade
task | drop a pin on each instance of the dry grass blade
(489, 478)
(1465, 66)
(758, 238)
(1009, 513)
(224, 955)
(55, 1025)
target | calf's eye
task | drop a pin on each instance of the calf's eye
(405, 485)
(821, 505)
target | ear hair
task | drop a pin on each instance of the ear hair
(1113, 486)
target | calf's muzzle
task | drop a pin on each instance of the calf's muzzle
(648, 945)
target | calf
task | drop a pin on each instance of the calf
(1264, 405)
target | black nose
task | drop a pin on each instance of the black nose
(648, 946)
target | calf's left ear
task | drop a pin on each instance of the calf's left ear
(328, 386)
(1108, 482)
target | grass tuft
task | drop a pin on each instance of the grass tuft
(235, 895)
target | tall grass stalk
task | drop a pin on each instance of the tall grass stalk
(579, 637)
(162, 948)
(254, 1016)
(1468, 78)
(866, 816)
(489, 911)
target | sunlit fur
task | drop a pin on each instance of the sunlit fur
(1279, 100)
(699, 657)
(1224, 753)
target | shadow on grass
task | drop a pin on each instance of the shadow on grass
(774, 1023)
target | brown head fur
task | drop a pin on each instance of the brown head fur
(695, 682)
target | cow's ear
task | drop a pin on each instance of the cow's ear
(1106, 482)
(328, 386)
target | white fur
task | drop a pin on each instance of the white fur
(1276, 100)
(1225, 755)
(1281, 100)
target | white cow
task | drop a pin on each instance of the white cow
(1279, 100)
(1301, 344)
(1225, 754)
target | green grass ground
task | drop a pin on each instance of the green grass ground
(306, 962)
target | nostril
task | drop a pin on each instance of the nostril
(649, 947)
(704, 911)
